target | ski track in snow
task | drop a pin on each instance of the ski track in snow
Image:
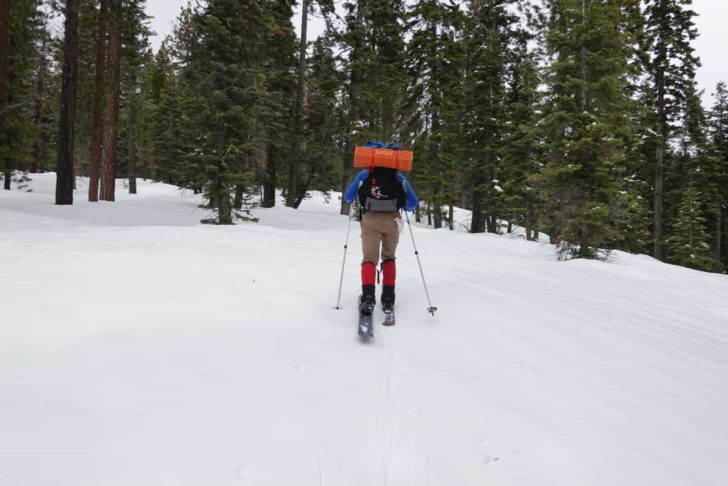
(140, 347)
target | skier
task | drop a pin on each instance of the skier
(382, 193)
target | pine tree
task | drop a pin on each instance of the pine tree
(718, 131)
(222, 67)
(435, 62)
(323, 117)
(489, 31)
(521, 154)
(24, 31)
(97, 128)
(277, 119)
(671, 64)
(688, 245)
(111, 109)
(374, 39)
(585, 122)
(136, 57)
(66, 122)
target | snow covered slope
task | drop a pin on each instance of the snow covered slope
(139, 347)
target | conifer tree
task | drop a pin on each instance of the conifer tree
(223, 71)
(671, 64)
(277, 122)
(489, 31)
(435, 63)
(585, 122)
(24, 29)
(718, 128)
(136, 56)
(374, 39)
(111, 109)
(97, 129)
(67, 119)
(322, 121)
(689, 243)
(521, 154)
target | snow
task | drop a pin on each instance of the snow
(138, 346)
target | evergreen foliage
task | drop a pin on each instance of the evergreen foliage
(586, 122)
(580, 119)
(688, 244)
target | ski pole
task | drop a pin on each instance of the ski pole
(430, 309)
(346, 246)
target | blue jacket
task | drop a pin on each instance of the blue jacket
(351, 192)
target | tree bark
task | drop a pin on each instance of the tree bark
(39, 146)
(67, 119)
(111, 125)
(302, 191)
(718, 233)
(239, 193)
(662, 134)
(298, 112)
(437, 216)
(353, 103)
(221, 191)
(132, 140)
(269, 184)
(97, 125)
(477, 220)
(5, 11)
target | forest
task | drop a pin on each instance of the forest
(578, 119)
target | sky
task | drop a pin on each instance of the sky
(710, 46)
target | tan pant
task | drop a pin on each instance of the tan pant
(379, 229)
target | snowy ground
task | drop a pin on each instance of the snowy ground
(138, 347)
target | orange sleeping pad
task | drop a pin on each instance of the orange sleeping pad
(377, 157)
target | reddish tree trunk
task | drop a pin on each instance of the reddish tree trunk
(97, 126)
(111, 125)
(67, 120)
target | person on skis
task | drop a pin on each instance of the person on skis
(382, 194)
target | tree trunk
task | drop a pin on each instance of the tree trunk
(718, 233)
(239, 193)
(662, 134)
(451, 217)
(269, 184)
(5, 9)
(477, 221)
(302, 191)
(418, 215)
(97, 124)
(221, 190)
(298, 112)
(67, 119)
(132, 140)
(39, 146)
(437, 216)
(111, 125)
(353, 103)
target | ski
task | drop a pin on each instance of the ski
(388, 316)
(366, 322)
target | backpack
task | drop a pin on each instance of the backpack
(382, 191)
